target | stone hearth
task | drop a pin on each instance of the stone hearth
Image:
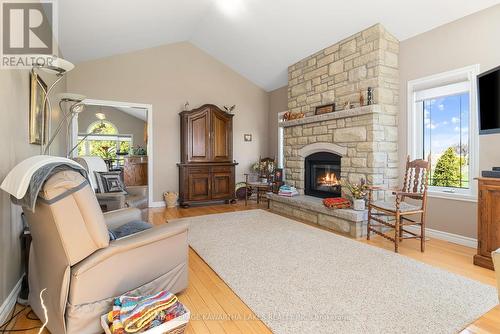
(311, 210)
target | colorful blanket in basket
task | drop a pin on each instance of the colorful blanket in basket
(134, 314)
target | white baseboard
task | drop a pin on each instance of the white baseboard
(10, 302)
(159, 204)
(450, 237)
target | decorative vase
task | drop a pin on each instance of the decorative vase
(171, 198)
(358, 204)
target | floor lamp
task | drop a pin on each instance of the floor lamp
(59, 67)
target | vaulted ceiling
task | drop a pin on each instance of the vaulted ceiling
(257, 38)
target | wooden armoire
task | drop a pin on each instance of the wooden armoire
(207, 168)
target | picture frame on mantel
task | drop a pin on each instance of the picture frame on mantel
(325, 109)
(37, 113)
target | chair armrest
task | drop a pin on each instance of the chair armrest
(113, 201)
(137, 190)
(131, 262)
(119, 217)
(130, 242)
(407, 194)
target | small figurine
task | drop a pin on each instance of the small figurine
(347, 105)
(361, 99)
(370, 96)
(186, 105)
(229, 109)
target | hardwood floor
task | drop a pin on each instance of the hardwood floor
(216, 308)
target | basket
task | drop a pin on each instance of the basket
(174, 326)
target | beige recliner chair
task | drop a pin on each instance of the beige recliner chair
(82, 271)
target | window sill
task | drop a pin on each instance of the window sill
(452, 196)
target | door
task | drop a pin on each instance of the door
(198, 132)
(222, 183)
(490, 219)
(199, 187)
(222, 136)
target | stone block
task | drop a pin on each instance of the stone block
(358, 162)
(336, 67)
(347, 48)
(326, 60)
(357, 73)
(305, 215)
(300, 89)
(334, 223)
(354, 134)
(316, 73)
(319, 130)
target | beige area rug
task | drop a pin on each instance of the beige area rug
(300, 279)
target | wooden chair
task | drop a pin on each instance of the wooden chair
(394, 215)
(262, 181)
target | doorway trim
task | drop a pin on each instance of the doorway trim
(149, 108)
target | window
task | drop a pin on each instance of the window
(104, 141)
(281, 138)
(442, 124)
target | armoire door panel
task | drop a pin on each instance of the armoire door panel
(199, 136)
(222, 185)
(492, 228)
(199, 185)
(221, 138)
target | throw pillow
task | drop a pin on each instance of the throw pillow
(109, 182)
(128, 229)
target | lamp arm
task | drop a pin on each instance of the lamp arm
(79, 142)
(46, 101)
(59, 127)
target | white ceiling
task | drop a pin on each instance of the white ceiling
(257, 38)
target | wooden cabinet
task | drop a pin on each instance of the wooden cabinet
(135, 171)
(207, 169)
(488, 221)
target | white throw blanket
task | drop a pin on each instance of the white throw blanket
(18, 180)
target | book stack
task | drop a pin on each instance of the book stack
(287, 191)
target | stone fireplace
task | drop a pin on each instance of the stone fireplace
(365, 137)
(353, 143)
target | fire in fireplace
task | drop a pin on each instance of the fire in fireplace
(322, 175)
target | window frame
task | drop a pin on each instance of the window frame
(104, 137)
(415, 124)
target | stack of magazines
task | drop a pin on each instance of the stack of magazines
(287, 191)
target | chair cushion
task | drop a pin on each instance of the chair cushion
(391, 206)
(109, 182)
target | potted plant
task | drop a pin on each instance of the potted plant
(358, 193)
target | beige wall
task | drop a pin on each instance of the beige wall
(470, 40)
(14, 112)
(167, 77)
(278, 102)
(125, 123)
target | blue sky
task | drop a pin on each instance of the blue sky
(443, 118)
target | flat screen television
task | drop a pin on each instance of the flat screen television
(489, 101)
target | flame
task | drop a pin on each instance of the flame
(330, 179)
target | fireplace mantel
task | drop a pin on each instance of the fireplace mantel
(374, 108)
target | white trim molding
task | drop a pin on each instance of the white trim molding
(450, 237)
(459, 80)
(10, 301)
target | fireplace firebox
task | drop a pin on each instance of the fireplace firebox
(322, 175)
